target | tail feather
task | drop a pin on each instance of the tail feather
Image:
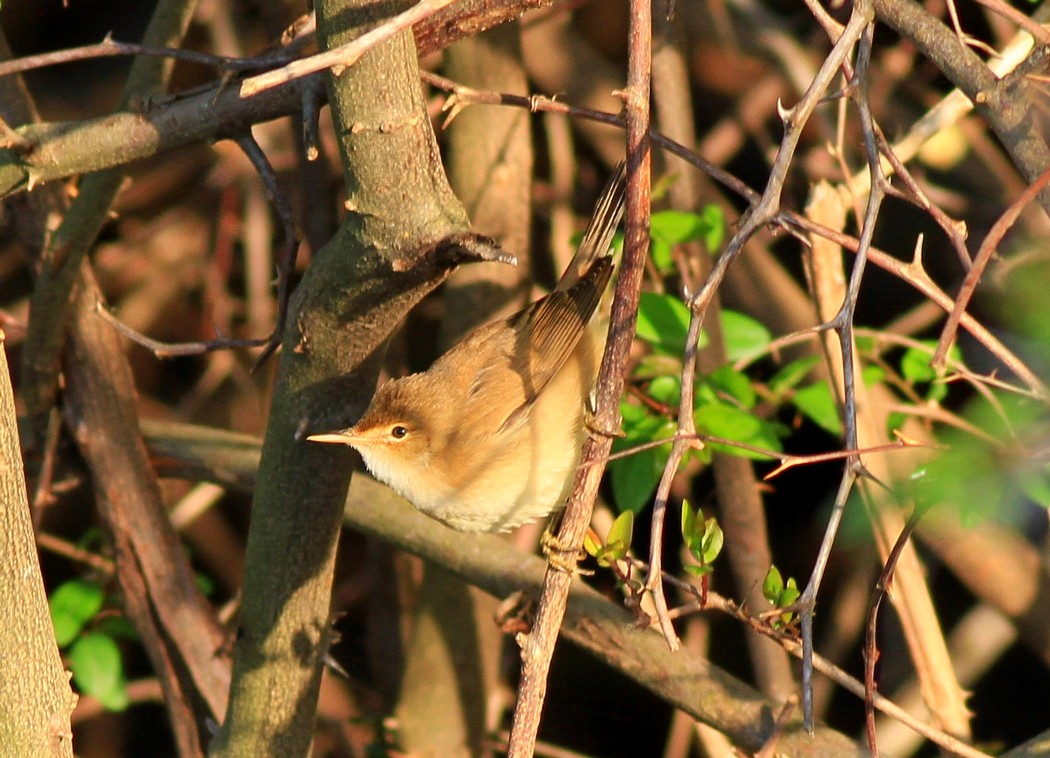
(600, 230)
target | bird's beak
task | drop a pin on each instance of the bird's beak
(339, 438)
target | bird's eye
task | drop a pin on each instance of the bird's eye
(398, 432)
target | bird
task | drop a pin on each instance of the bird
(489, 437)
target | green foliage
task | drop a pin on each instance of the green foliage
(670, 228)
(989, 476)
(780, 594)
(703, 538)
(635, 477)
(98, 669)
(916, 369)
(744, 337)
(617, 542)
(730, 422)
(663, 322)
(73, 604)
(817, 404)
(93, 654)
(792, 374)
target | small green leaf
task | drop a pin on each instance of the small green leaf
(663, 322)
(688, 521)
(666, 390)
(772, 585)
(98, 670)
(698, 571)
(117, 627)
(677, 227)
(872, 375)
(620, 533)
(692, 523)
(73, 604)
(715, 221)
(864, 344)
(591, 545)
(655, 365)
(895, 422)
(731, 423)
(1036, 485)
(793, 373)
(713, 541)
(744, 336)
(204, 583)
(635, 477)
(735, 384)
(817, 404)
(660, 252)
(915, 363)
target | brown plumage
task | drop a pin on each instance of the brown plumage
(489, 436)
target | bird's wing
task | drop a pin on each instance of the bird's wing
(549, 330)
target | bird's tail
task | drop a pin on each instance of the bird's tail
(600, 230)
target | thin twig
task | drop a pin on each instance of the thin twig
(1033, 27)
(984, 255)
(871, 652)
(110, 47)
(174, 349)
(286, 258)
(914, 274)
(344, 56)
(538, 647)
(790, 220)
(844, 680)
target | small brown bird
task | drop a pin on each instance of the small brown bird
(489, 436)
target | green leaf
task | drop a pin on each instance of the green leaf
(715, 220)
(677, 227)
(1036, 485)
(772, 585)
(635, 477)
(698, 571)
(915, 367)
(660, 252)
(666, 390)
(688, 522)
(735, 384)
(204, 583)
(967, 476)
(793, 373)
(691, 523)
(73, 604)
(669, 228)
(894, 422)
(663, 322)
(731, 423)
(619, 537)
(817, 404)
(915, 363)
(713, 541)
(590, 545)
(99, 671)
(744, 336)
(655, 365)
(864, 344)
(117, 627)
(872, 375)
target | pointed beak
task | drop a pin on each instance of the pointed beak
(339, 438)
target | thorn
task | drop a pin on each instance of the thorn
(916, 258)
